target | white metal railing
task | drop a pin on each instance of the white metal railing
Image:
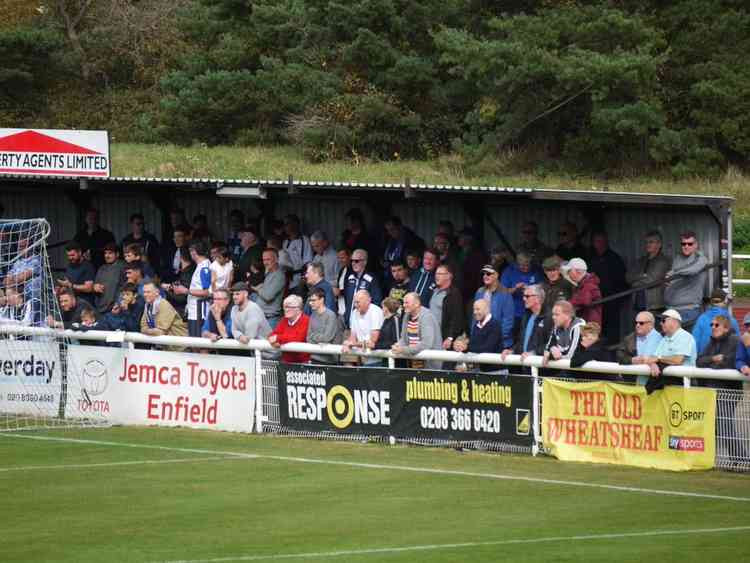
(534, 362)
(740, 281)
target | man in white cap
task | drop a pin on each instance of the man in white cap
(586, 291)
(677, 348)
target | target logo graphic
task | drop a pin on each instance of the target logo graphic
(95, 377)
(340, 406)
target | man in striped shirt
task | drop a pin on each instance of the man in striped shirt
(420, 331)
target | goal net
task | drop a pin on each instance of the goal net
(36, 375)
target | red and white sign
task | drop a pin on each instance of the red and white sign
(54, 152)
(163, 388)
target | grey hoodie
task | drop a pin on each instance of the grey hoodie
(687, 288)
(429, 336)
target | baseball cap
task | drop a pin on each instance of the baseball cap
(746, 320)
(576, 264)
(672, 314)
(489, 269)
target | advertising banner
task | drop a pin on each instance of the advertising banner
(406, 403)
(54, 152)
(163, 388)
(610, 423)
(30, 377)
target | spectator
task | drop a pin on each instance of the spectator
(127, 313)
(200, 229)
(413, 261)
(70, 310)
(585, 292)
(222, 269)
(133, 254)
(536, 324)
(397, 240)
(609, 267)
(447, 306)
(187, 269)
(355, 235)
(742, 362)
(530, 244)
(252, 253)
(315, 280)
(565, 334)
(269, 294)
(325, 254)
(360, 279)
(324, 328)
(720, 352)
(93, 238)
(591, 349)
(25, 274)
(79, 275)
(471, 257)
(147, 241)
(89, 320)
(365, 322)
(501, 303)
(291, 328)
(198, 291)
(687, 279)
(500, 258)
(284, 260)
(446, 227)
(515, 278)
(486, 334)
(134, 275)
(248, 320)
(677, 348)
(390, 331)
(419, 331)
(159, 317)
(638, 345)
(556, 287)
(447, 254)
(344, 257)
(649, 268)
(16, 311)
(399, 281)
(423, 281)
(108, 279)
(236, 223)
(569, 247)
(218, 321)
(170, 260)
(702, 328)
(299, 248)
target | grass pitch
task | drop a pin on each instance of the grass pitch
(158, 495)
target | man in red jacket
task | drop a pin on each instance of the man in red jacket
(291, 328)
(586, 291)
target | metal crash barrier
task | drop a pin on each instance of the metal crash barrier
(732, 406)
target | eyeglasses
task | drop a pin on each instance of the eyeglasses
(529, 295)
(662, 321)
(488, 274)
(358, 260)
(715, 325)
(291, 307)
(684, 243)
(639, 323)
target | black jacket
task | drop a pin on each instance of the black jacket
(539, 334)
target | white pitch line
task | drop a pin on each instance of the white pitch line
(463, 545)
(380, 466)
(116, 463)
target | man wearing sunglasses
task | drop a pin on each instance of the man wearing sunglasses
(702, 328)
(687, 279)
(638, 345)
(677, 348)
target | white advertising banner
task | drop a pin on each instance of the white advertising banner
(30, 377)
(164, 388)
(54, 152)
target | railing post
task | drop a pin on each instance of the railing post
(258, 359)
(536, 390)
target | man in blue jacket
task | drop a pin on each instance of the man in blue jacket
(702, 327)
(501, 303)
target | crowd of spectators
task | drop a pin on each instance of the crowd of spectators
(389, 289)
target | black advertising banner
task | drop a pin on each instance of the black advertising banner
(406, 403)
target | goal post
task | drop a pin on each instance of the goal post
(36, 373)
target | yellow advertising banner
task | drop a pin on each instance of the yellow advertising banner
(602, 422)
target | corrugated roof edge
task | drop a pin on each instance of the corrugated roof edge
(280, 183)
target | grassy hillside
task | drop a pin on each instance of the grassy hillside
(279, 162)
